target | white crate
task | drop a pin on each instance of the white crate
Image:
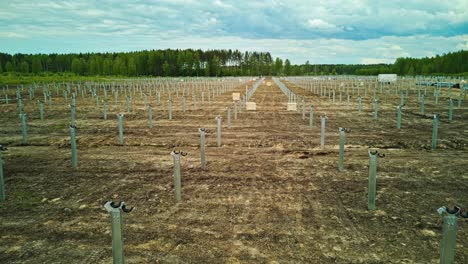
(235, 96)
(251, 106)
(292, 106)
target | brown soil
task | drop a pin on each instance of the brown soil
(270, 194)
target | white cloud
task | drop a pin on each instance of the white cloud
(334, 31)
(320, 25)
(222, 4)
(375, 61)
(12, 35)
(462, 46)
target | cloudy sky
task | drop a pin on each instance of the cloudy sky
(328, 31)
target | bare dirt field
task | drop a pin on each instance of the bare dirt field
(270, 194)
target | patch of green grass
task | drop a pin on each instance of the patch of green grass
(59, 126)
(24, 199)
(25, 78)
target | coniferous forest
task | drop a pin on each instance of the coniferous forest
(191, 62)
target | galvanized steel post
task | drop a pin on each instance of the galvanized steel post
(376, 109)
(41, 110)
(435, 128)
(228, 110)
(150, 116)
(450, 114)
(177, 177)
(342, 132)
(399, 108)
(449, 233)
(169, 109)
(218, 126)
(2, 180)
(120, 120)
(311, 116)
(202, 147)
(74, 155)
(322, 130)
(24, 128)
(117, 230)
(372, 180)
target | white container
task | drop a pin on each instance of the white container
(251, 106)
(387, 78)
(292, 106)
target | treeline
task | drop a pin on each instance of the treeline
(332, 69)
(450, 63)
(144, 63)
(191, 62)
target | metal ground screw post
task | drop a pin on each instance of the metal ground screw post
(376, 109)
(311, 116)
(104, 109)
(72, 113)
(128, 104)
(74, 156)
(423, 99)
(115, 211)
(435, 128)
(359, 104)
(399, 109)
(303, 110)
(73, 99)
(2, 180)
(449, 233)
(120, 120)
(183, 104)
(202, 147)
(323, 120)
(228, 110)
(24, 128)
(218, 130)
(450, 114)
(150, 116)
(372, 178)
(41, 109)
(169, 109)
(235, 110)
(177, 178)
(342, 132)
(20, 105)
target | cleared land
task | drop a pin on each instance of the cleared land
(270, 194)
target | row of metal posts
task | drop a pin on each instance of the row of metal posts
(448, 242)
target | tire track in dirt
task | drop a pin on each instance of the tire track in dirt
(300, 211)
